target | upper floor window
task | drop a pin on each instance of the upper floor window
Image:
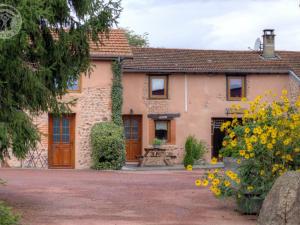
(74, 86)
(158, 86)
(235, 88)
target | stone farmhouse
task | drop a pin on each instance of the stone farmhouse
(168, 94)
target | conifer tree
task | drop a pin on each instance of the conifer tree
(37, 64)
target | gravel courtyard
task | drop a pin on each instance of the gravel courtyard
(72, 197)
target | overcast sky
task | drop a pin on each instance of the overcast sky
(213, 24)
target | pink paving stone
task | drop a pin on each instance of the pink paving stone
(72, 197)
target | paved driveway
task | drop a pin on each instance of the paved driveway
(70, 197)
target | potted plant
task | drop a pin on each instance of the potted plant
(157, 143)
(249, 204)
(231, 163)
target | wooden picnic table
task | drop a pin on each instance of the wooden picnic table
(155, 152)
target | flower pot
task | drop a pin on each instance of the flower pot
(249, 204)
(156, 146)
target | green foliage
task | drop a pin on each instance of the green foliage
(2, 182)
(194, 150)
(35, 67)
(157, 141)
(117, 94)
(137, 40)
(199, 149)
(188, 159)
(265, 144)
(7, 217)
(108, 146)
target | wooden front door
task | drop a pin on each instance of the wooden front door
(133, 136)
(61, 141)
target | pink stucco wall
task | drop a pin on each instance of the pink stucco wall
(93, 105)
(206, 98)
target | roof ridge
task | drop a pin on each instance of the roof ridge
(191, 49)
(210, 50)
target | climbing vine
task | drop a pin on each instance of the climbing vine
(117, 93)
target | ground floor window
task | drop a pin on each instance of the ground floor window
(162, 130)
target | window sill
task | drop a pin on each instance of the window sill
(163, 145)
(234, 100)
(158, 99)
(69, 91)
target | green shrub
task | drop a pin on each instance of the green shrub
(108, 146)
(199, 149)
(7, 217)
(194, 150)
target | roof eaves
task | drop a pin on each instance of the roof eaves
(109, 57)
(251, 71)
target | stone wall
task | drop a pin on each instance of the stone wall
(95, 105)
(294, 86)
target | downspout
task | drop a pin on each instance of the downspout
(294, 76)
(185, 93)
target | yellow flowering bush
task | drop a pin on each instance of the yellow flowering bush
(265, 142)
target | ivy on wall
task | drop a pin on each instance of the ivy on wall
(108, 137)
(117, 93)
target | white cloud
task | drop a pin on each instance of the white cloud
(213, 24)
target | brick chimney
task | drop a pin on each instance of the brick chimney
(269, 44)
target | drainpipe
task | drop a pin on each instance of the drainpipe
(294, 76)
(185, 93)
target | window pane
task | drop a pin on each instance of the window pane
(56, 130)
(135, 130)
(161, 130)
(73, 85)
(127, 128)
(65, 131)
(158, 86)
(236, 85)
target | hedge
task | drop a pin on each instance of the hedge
(108, 146)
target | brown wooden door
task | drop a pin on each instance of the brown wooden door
(61, 141)
(133, 136)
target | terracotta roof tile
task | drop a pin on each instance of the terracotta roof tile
(209, 61)
(115, 45)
